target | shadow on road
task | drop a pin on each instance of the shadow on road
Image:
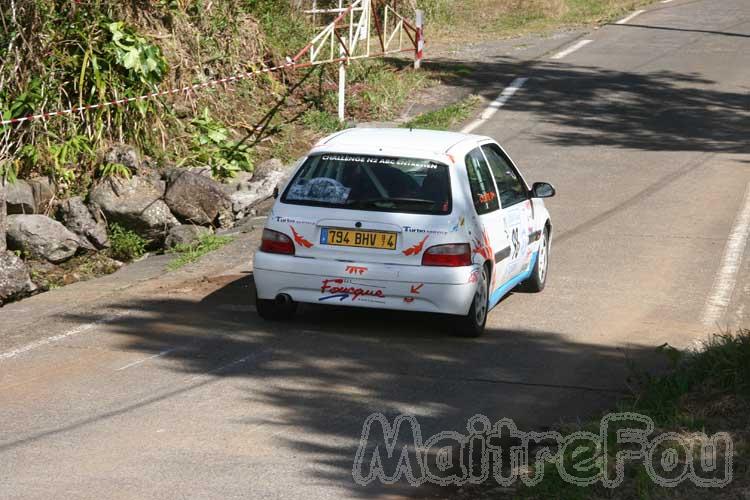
(591, 106)
(316, 379)
(683, 30)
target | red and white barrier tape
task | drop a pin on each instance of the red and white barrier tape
(152, 95)
(185, 90)
(292, 64)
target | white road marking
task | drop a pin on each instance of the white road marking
(571, 49)
(630, 17)
(495, 105)
(57, 338)
(726, 278)
(666, 1)
(141, 361)
(237, 307)
(222, 368)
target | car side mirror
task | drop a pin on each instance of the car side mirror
(275, 192)
(542, 190)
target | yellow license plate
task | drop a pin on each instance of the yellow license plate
(355, 238)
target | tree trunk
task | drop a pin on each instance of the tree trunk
(3, 216)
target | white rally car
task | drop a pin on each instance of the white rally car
(415, 220)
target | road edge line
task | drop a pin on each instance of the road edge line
(56, 338)
(726, 278)
(576, 46)
(632, 16)
(495, 105)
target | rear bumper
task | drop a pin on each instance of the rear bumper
(381, 286)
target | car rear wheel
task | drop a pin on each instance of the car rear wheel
(277, 309)
(472, 325)
(538, 278)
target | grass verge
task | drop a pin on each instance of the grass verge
(189, 253)
(705, 392)
(472, 20)
(445, 118)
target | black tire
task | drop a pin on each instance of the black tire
(472, 325)
(538, 279)
(275, 310)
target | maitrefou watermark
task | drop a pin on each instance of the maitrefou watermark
(390, 452)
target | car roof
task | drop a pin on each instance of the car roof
(398, 140)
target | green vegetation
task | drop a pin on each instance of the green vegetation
(212, 146)
(114, 170)
(286, 31)
(192, 252)
(322, 121)
(126, 245)
(704, 391)
(381, 88)
(448, 20)
(721, 368)
(447, 117)
(55, 57)
(58, 55)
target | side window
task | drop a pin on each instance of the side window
(510, 185)
(482, 188)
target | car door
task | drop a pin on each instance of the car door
(516, 209)
(490, 239)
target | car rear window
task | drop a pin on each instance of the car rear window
(373, 183)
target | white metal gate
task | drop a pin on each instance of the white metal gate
(358, 29)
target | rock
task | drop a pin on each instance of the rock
(124, 155)
(197, 199)
(204, 171)
(240, 182)
(142, 166)
(134, 203)
(89, 225)
(269, 176)
(242, 201)
(20, 198)
(14, 278)
(185, 234)
(160, 186)
(41, 237)
(43, 190)
(149, 170)
(266, 168)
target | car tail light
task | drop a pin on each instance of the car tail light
(454, 255)
(276, 242)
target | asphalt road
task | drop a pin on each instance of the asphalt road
(148, 384)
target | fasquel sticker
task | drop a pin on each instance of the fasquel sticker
(338, 288)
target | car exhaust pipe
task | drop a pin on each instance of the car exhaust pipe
(283, 299)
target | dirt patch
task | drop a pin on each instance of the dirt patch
(48, 276)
